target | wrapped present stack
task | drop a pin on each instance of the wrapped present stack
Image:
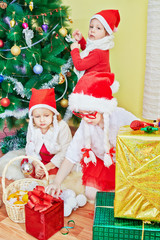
(133, 211)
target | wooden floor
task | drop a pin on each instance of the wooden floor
(83, 218)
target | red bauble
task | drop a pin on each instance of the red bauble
(1, 43)
(5, 102)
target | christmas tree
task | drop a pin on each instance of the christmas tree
(34, 53)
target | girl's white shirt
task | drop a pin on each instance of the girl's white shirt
(57, 147)
(119, 117)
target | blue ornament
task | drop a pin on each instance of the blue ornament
(37, 69)
(1, 78)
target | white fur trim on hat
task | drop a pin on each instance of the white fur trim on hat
(43, 106)
(83, 102)
(104, 22)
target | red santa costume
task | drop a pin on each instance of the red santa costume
(95, 54)
(93, 146)
(52, 145)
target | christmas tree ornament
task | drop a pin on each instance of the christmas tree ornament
(63, 31)
(25, 25)
(38, 69)
(31, 5)
(23, 69)
(12, 22)
(66, 193)
(56, 37)
(3, 5)
(26, 168)
(5, 102)
(64, 103)
(34, 23)
(29, 34)
(7, 21)
(81, 200)
(1, 43)
(71, 201)
(15, 50)
(1, 78)
(45, 27)
(61, 78)
(67, 210)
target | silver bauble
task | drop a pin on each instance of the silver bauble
(27, 168)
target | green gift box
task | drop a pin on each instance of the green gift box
(106, 227)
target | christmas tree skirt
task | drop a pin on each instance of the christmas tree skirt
(14, 172)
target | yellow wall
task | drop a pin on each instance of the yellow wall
(127, 58)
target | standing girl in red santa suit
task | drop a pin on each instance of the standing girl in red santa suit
(95, 54)
(94, 142)
(48, 136)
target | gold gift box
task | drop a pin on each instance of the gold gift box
(137, 193)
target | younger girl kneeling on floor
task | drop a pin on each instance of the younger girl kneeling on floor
(94, 142)
(48, 136)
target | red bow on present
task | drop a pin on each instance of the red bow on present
(39, 200)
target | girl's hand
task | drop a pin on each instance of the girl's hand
(75, 45)
(39, 171)
(53, 189)
(77, 35)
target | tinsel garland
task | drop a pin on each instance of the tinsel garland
(14, 142)
(19, 113)
(18, 87)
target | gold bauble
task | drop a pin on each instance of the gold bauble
(61, 78)
(15, 50)
(12, 22)
(63, 31)
(64, 103)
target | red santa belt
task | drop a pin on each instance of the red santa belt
(46, 154)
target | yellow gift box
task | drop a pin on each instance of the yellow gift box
(137, 192)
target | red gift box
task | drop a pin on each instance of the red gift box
(42, 221)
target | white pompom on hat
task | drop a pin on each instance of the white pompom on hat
(109, 18)
(93, 93)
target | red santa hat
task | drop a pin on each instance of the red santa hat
(93, 93)
(43, 98)
(109, 18)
